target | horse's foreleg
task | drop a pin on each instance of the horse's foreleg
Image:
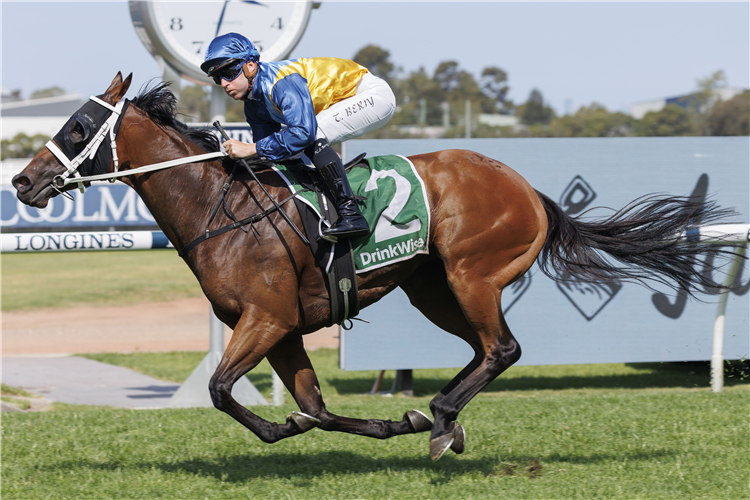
(291, 363)
(246, 349)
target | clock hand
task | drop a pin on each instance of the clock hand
(221, 17)
(224, 9)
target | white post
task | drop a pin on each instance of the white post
(169, 75)
(216, 335)
(717, 357)
(467, 119)
(277, 390)
(344, 152)
(218, 106)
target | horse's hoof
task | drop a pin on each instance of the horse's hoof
(459, 438)
(454, 441)
(304, 421)
(439, 445)
(418, 420)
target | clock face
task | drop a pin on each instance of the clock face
(180, 32)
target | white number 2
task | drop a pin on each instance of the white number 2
(385, 229)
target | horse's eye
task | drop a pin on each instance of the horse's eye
(77, 132)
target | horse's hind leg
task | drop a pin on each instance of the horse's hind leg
(471, 311)
(249, 345)
(501, 350)
(291, 363)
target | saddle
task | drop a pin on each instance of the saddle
(397, 208)
(335, 259)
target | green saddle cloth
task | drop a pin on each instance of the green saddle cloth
(396, 208)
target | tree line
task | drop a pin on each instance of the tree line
(437, 100)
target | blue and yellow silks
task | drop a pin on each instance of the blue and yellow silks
(292, 93)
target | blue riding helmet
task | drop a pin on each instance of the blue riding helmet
(231, 49)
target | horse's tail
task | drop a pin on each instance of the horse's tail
(638, 243)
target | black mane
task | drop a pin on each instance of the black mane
(160, 104)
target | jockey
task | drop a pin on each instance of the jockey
(321, 101)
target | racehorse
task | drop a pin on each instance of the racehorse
(487, 227)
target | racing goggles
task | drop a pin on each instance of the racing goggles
(228, 72)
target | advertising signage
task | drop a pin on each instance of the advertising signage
(102, 205)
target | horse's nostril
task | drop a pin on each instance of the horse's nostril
(21, 181)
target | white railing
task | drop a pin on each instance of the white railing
(722, 234)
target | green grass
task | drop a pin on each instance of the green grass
(17, 402)
(586, 431)
(656, 443)
(15, 396)
(71, 279)
(13, 391)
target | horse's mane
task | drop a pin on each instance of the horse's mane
(160, 104)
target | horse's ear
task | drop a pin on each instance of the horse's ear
(117, 80)
(125, 86)
(118, 87)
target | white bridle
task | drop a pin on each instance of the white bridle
(71, 175)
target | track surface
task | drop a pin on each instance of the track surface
(182, 325)
(36, 345)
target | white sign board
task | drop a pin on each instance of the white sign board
(556, 324)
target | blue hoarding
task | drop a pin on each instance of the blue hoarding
(102, 205)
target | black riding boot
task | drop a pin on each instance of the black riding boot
(351, 223)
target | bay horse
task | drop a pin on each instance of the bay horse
(487, 227)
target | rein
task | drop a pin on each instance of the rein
(147, 168)
(237, 224)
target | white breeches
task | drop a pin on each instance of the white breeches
(367, 110)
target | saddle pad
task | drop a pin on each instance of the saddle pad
(396, 208)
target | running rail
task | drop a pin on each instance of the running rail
(721, 234)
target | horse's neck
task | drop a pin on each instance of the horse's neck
(179, 198)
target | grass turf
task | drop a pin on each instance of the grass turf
(593, 431)
(72, 279)
(589, 431)
(655, 443)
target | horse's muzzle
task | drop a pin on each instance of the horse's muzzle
(26, 192)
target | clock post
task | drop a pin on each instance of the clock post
(168, 74)
(218, 106)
